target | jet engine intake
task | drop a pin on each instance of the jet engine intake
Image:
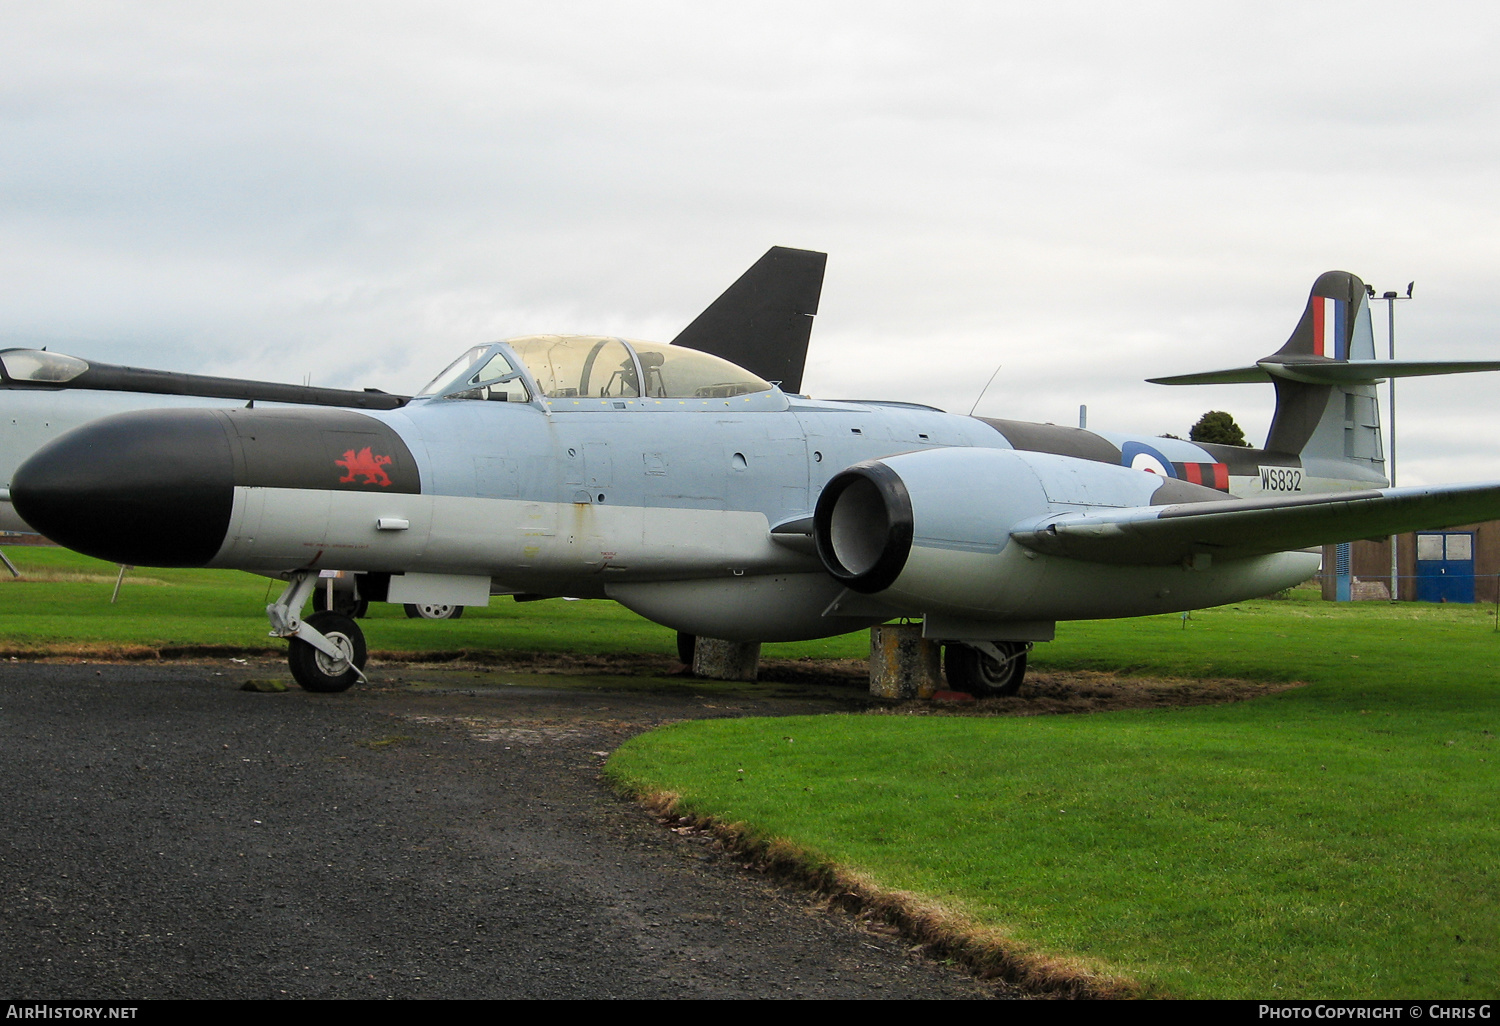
(928, 525)
(862, 526)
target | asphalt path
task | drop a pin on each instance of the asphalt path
(442, 834)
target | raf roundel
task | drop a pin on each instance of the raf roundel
(1143, 457)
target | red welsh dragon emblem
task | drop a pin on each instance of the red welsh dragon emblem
(362, 463)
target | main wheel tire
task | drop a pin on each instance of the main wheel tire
(432, 611)
(976, 672)
(344, 604)
(686, 644)
(318, 671)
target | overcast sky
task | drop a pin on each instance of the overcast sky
(1084, 194)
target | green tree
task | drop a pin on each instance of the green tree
(1217, 426)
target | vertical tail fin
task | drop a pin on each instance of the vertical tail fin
(1329, 420)
(763, 321)
(1335, 324)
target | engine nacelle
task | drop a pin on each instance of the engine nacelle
(930, 533)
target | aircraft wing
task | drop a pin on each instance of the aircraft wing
(1238, 528)
(37, 369)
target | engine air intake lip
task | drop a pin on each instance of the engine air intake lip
(863, 527)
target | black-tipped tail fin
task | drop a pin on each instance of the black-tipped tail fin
(764, 320)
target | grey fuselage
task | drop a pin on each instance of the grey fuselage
(696, 511)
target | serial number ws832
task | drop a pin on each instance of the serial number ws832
(1281, 479)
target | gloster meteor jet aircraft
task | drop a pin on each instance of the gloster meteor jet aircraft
(707, 495)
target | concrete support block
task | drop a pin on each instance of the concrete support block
(903, 664)
(726, 660)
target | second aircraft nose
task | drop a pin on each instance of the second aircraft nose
(150, 488)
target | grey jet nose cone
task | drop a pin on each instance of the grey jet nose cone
(151, 488)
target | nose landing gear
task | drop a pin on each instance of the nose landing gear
(314, 668)
(327, 651)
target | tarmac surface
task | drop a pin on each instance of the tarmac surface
(440, 834)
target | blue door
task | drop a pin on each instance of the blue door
(1445, 566)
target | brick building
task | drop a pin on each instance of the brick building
(1456, 564)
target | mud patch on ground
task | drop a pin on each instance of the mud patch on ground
(844, 681)
(1052, 692)
(622, 664)
(1046, 692)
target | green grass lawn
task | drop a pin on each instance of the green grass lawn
(52, 609)
(1337, 840)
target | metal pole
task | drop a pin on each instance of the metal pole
(118, 581)
(1390, 313)
(1390, 307)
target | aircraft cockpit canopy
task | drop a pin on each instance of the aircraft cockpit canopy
(484, 372)
(595, 366)
(41, 366)
(592, 366)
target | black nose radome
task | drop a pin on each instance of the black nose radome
(151, 488)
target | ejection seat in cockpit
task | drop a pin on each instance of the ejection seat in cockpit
(651, 367)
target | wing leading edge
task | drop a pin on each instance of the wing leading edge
(1237, 529)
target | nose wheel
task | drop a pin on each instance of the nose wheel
(318, 670)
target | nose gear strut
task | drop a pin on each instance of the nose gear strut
(327, 650)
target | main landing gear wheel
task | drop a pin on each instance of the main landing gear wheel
(432, 611)
(318, 671)
(978, 673)
(686, 643)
